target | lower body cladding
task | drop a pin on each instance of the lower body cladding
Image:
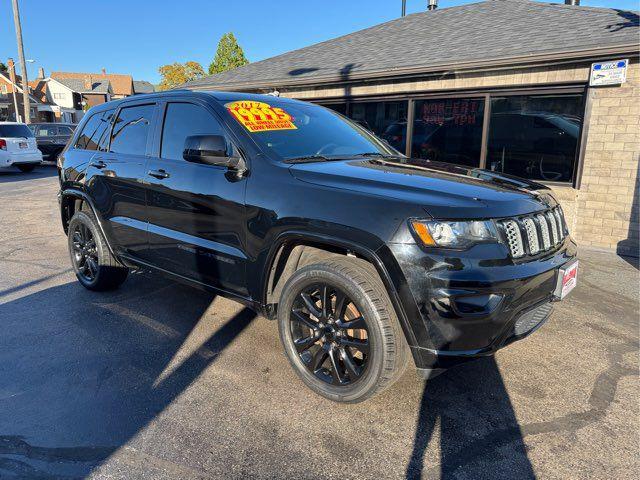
(471, 308)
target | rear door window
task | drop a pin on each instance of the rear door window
(131, 130)
(95, 134)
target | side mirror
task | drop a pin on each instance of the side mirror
(209, 150)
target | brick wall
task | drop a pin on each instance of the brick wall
(604, 211)
(607, 202)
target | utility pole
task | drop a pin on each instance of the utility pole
(12, 77)
(23, 64)
(404, 7)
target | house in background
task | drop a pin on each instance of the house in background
(142, 86)
(121, 84)
(7, 99)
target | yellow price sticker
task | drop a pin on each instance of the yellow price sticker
(260, 116)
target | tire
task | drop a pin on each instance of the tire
(97, 270)
(26, 167)
(375, 327)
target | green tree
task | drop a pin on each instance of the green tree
(3, 68)
(178, 73)
(228, 56)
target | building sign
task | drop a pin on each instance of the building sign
(456, 111)
(608, 73)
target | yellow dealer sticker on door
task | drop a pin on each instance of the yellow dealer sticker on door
(260, 117)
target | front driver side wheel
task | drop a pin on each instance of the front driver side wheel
(340, 331)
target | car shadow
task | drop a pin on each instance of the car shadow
(469, 410)
(104, 385)
(41, 171)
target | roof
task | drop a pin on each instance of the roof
(78, 85)
(142, 86)
(121, 84)
(489, 33)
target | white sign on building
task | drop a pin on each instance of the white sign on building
(608, 73)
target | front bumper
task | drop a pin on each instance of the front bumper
(50, 151)
(471, 304)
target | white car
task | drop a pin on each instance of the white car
(18, 147)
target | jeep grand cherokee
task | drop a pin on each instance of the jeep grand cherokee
(366, 258)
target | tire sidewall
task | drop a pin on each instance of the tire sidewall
(313, 274)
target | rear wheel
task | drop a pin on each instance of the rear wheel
(26, 167)
(95, 267)
(340, 331)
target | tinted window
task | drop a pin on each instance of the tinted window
(292, 130)
(535, 136)
(388, 120)
(13, 131)
(95, 134)
(64, 130)
(449, 130)
(131, 130)
(181, 121)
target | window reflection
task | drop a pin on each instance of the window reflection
(449, 130)
(388, 120)
(535, 136)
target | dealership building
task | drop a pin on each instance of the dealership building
(544, 91)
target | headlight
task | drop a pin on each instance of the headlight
(460, 235)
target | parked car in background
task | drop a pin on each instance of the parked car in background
(51, 138)
(18, 147)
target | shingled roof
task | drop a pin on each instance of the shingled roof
(78, 85)
(492, 32)
(121, 84)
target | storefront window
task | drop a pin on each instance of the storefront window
(535, 136)
(449, 130)
(337, 107)
(388, 120)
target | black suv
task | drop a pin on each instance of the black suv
(365, 257)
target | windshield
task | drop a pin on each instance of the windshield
(13, 131)
(302, 131)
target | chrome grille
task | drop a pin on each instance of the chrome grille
(514, 238)
(544, 228)
(555, 238)
(534, 234)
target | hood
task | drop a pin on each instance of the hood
(442, 190)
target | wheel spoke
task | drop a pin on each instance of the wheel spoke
(354, 370)
(307, 322)
(310, 304)
(303, 344)
(355, 324)
(93, 266)
(326, 301)
(362, 345)
(319, 358)
(341, 305)
(335, 367)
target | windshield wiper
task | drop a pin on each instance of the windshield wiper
(375, 154)
(307, 158)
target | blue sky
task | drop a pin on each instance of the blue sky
(137, 36)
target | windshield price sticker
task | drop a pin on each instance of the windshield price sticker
(260, 117)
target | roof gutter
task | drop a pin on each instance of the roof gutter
(492, 64)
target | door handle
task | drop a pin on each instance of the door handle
(158, 174)
(99, 164)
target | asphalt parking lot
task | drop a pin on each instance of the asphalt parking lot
(158, 380)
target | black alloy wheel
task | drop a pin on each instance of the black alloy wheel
(85, 252)
(330, 334)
